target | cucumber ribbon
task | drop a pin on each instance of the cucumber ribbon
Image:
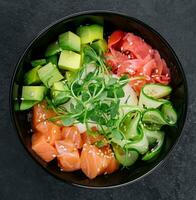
(141, 126)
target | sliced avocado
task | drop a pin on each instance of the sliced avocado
(90, 33)
(69, 60)
(31, 77)
(70, 76)
(27, 104)
(35, 93)
(69, 41)
(100, 46)
(53, 59)
(59, 93)
(52, 49)
(49, 74)
(35, 63)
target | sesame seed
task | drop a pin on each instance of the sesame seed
(105, 173)
(140, 74)
(53, 155)
(167, 75)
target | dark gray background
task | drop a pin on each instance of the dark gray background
(20, 177)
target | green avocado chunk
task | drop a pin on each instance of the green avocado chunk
(49, 74)
(69, 60)
(31, 77)
(90, 33)
(69, 41)
(59, 93)
(52, 49)
(33, 93)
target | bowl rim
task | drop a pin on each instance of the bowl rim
(91, 12)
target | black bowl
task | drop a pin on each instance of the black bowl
(111, 22)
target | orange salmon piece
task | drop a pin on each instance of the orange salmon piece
(93, 161)
(42, 148)
(113, 164)
(68, 156)
(41, 113)
(72, 133)
(51, 131)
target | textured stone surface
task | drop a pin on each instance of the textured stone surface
(20, 177)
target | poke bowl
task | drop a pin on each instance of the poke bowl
(99, 99)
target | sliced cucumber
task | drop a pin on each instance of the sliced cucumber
(34, 93)
(150, 94)
(129, 125)
(152, 136)
(169, 113)
(159, 136)
(140, 145)
(156, 118)
(157, 91)
(153, 116)
(126, 158)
